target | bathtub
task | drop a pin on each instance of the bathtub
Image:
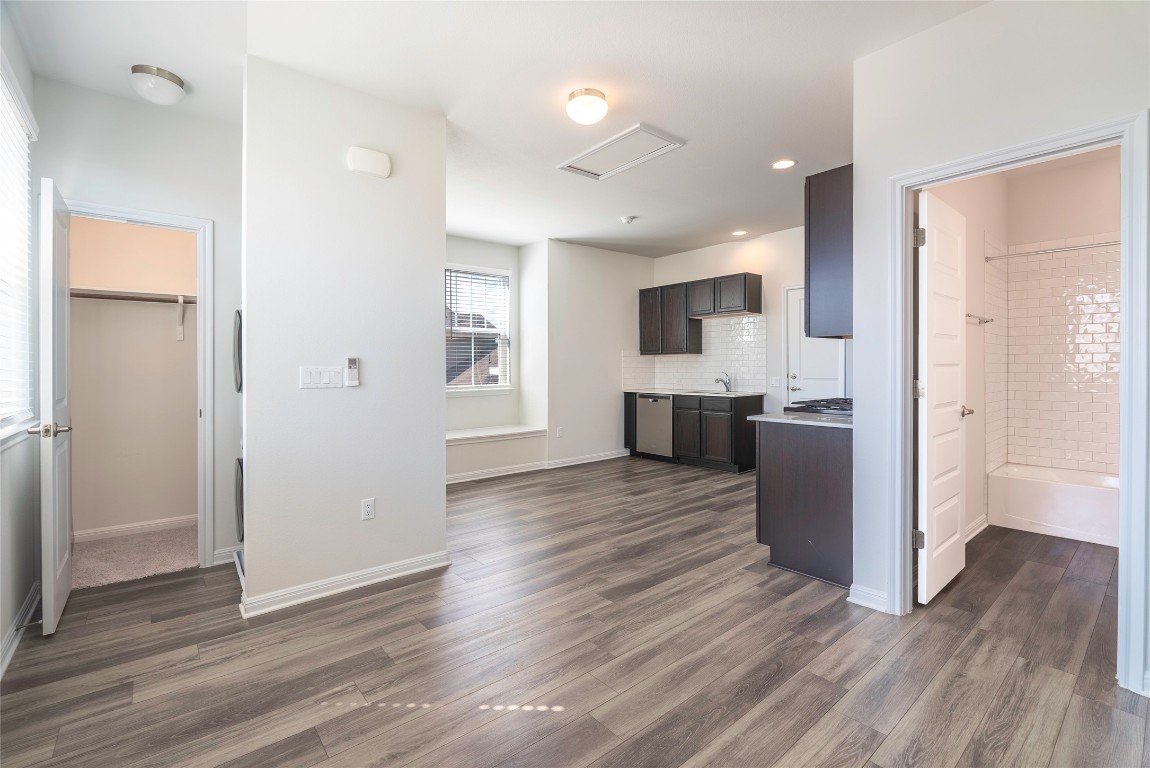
(1060, 502)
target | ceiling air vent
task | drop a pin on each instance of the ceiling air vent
(618, 153)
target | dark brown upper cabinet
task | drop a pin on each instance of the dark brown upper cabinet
(650, 322)
(701, 297)
(680, 334)
(742, 293)
(830, 253)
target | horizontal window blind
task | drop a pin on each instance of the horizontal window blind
(16, 324)
(476, 325)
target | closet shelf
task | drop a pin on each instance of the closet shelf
(158, 298)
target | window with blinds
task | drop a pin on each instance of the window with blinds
(16, 324)
(477, 327)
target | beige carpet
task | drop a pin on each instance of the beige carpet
(123, 558)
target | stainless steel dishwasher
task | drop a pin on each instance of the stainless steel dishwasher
(654, 423)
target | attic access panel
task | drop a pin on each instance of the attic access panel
(630, 148)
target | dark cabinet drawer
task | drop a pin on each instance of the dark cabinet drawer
(716, 404)
(701, 298)
(686, 401)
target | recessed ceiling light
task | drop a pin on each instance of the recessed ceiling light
(157, 85)
(739, 232)
(780, 165)
(586, 106)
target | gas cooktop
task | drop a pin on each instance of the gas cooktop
(840, 406)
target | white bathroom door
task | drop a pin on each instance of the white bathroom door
(816, 368)
(55, 409)
(941, 356)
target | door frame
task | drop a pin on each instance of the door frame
(205, 352)
(1132, 135)
(787, 347)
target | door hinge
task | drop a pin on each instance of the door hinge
(918, 540)
(919, 237)
(918, 389)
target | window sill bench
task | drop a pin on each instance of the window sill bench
(491, 434)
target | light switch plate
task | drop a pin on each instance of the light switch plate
(774, 382)
(320, 377)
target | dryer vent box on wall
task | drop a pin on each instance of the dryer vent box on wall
(363, 160)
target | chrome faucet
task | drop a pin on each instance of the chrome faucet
(725, 381)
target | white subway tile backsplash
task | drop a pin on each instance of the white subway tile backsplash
(737, 345)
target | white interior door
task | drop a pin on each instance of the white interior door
(816, 368)
(941, 358)
(55, 410)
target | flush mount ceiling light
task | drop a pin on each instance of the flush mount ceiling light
(739, 232)
(586, 106)
(157, 85)
(782, 165)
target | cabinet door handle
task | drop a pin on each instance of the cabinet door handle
(795, 389)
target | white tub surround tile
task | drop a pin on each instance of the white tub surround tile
(1063, 347)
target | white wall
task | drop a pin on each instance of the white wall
(102, 149)
(778, 257)
(13, 50)
(994, 77)
(468, 410)
(134, 414)
(1063, 199)
(593, 315)
(533, 330)
(338, 264)
(982, 201)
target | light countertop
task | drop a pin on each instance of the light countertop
(697, 392)
(806, 419)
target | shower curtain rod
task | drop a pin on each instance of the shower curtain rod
(1053, 250)
(156, 298)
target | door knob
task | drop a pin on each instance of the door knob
(793, 376)
(794, 389)
(49, 430)
(964, 412)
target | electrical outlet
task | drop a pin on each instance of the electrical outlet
(367, 509)
(559, 432)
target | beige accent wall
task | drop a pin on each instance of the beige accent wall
(133, 414)
(115, 256)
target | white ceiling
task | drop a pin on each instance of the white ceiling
(743, 83)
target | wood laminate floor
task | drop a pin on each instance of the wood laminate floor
(614, 614)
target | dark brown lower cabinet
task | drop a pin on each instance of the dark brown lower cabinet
(687, 434)
(717, 436)
(805, 511)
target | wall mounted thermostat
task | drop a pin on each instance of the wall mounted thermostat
(352, 377)
(369, 161)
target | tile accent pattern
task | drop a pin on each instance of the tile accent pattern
(997, 354)
(1064, 331)
(737, 345)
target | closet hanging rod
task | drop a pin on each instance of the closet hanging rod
(981, 320)
(155, 298)
(1053, 250)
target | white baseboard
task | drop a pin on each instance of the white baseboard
(588, 458)
(130, 528)
(13, 635)
(534, 466)
(479, 474)
(225, 556)
(274, 601)
(868, 598)
(976, 527)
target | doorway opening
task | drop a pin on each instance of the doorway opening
(1017, 364)
(1128, 578)
(133, 370)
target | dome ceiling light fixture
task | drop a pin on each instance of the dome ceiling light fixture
(157, 85)
(782, 165)
(586, 106)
